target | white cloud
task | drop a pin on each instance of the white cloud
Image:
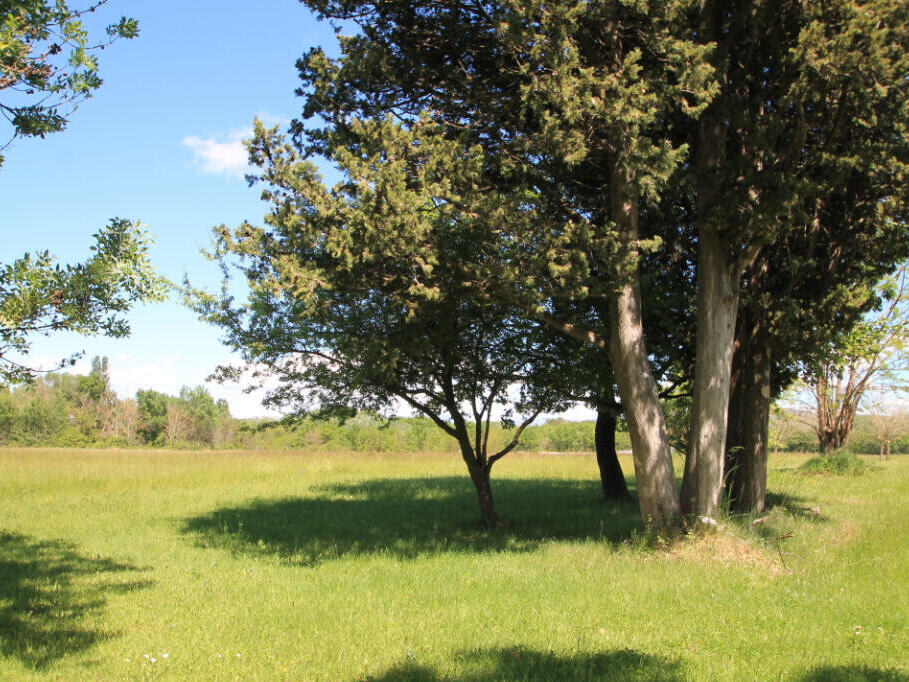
(226, 155)
(168, 374)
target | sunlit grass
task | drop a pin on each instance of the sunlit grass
(346, 567)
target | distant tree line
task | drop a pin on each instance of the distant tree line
(72, 410)
(68, 410)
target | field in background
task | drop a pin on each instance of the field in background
(275, 565)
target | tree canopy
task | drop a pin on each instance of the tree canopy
(358, 303)
(570, 145)
(48, 64)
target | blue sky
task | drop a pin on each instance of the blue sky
(160, 142)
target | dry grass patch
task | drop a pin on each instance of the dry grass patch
(722, 547)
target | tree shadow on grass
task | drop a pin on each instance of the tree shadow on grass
(47, 589)
(406, 518)
(852, 673)
(793, 506)
(531, 666)
(781, 510)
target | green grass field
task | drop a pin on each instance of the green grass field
(145, 565)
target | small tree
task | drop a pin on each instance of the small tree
(178, 423)
(874, 349)
(889, 415)
(782, 427)
(357, 305)
(152, 414)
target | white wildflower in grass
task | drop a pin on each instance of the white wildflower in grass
(154, 660)
(165, 655)
(126, 659)
(147, 656)
(238, 655)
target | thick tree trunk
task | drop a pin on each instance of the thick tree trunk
(749, 419)
(611, 476)
(717, 306)
(832, 440)
(718, 299)
(657, 494)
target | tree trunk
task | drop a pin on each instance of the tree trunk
(717, 305)
(718, 297)
(479, 469)
(735, 422)
(657, 494)
(480, 477)
(611, 477)
(833, 426)
(749, 419)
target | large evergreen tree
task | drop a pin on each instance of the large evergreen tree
(564, 102)
(812, 100)
(800, 180)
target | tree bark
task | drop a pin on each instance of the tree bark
(834, 426)
(479, 474)
(611, 476)
(749, 418)
(717, 305)
(657, 494)
(718, 297)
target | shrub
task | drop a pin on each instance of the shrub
(838, 463)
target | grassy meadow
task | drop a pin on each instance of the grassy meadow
(120, 565)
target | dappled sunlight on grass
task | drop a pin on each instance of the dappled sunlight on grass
(349, 567)
(407, 518)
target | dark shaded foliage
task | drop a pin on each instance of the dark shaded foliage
(852, 673)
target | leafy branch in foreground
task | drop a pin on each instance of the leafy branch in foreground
(40, 296)
(48, 64)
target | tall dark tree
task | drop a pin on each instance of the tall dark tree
(562, 101)
(809, 185)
